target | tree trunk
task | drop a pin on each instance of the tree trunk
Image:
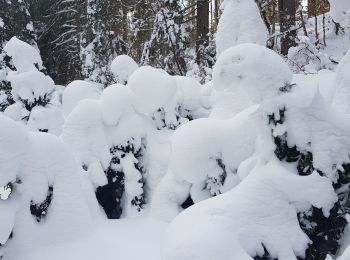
(287, 10)
(202, 27)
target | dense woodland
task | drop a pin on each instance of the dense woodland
(79, 39)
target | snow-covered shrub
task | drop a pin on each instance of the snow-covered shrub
(76, 91)
(122, 67)
(312, 136)
(240, 23)
(24, 56)
(119, 138)
(170, 101)
(306, 58)
(45, 201)
(259, 215)
(206, 153)
(108, 139)
(31, 89)
(205, 157)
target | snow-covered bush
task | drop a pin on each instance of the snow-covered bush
(306, 58)
(45, 201)
(205, 157)
(31, 89)
(122, 67)
(259, 215)
(314, 137)
(170, 101)
(240, 23)
(122, 148)
(108, 139)
(205, 154)
(300, 134)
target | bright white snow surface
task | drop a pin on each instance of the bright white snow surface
(125, 239)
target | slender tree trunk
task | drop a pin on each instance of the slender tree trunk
(287, 10)
(202, 27)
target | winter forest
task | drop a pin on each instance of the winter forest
(174, 129)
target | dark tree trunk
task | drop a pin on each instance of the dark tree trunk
(287, 10)
(202, 27)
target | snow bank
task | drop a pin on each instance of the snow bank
(76, 91)
(122, 67)
(260, 211)
(339, 9)
(248, 25)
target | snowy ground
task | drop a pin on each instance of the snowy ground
(125, 239)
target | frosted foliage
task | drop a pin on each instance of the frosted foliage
(77, 91)
(342, 94)
(122, 67)
(24, 56)
(31, 86)
(153, 88)
(248, 25)
(252, 70)
(261, 210)
(305, 57)
(339, 9)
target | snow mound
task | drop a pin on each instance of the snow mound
(259, 213)
(123, 66)
(24, 56)
(153, 88)
(77, 91)
(253, 69)
(248, 25)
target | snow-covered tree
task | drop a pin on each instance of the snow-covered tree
(101, 39)
(31, 89)
(240, 23)
(167, 46)
(15, 20)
